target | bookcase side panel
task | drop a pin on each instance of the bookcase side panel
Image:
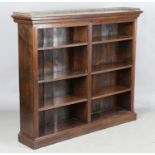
(133, 63)
(27, 80)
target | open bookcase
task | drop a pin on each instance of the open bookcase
(76, 75)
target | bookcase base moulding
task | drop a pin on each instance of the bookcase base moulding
(76, 72)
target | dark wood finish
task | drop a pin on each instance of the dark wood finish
(108, 15)
(105, 122)
(53, 38)
(63, 118)
(110, 104)
(63, 63)
(62, 92)
(110, 91)
(72, 44)
(116, 38)
(105, 32)
(111, 54)
(133, 68)
(89, 71)
(103, 68)
(76, 72)
(62, 101)
(111, 82)
(27, 78)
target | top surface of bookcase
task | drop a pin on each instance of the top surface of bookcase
(37, 15)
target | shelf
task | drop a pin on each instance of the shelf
(63, 125)
(63, 45)
(63, 76)
(62, 118)
(110, 113)
(112, 56)
(62, 37)
(62, 64)
(61, 102)
(109, 105)
(103, 68)
(110, 39)
(61, 93)
(115, 32)
(110, 91)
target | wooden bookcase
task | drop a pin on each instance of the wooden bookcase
(76, 72)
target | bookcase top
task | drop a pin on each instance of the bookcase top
(35, 15)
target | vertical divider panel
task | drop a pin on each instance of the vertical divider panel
(89, 69)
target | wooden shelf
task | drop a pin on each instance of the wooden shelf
(110, 39)
(62, 125)
(63, 45)
(110, 91)
(62, 118)
(61, 102)
(103, 68)
(63, 76)
(109, 113)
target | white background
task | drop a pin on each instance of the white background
(131, 137)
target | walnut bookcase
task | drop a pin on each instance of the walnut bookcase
(76, 72)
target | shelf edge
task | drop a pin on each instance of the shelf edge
(111, 70)
(111, 40)
(62, 78)
(62, 105)
(62, 46)
(110, 94)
